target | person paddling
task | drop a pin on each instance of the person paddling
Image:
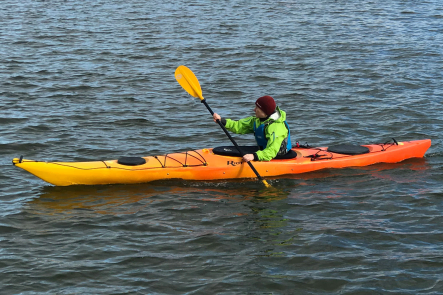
(270, 129)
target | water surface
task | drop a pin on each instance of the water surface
(94, 80)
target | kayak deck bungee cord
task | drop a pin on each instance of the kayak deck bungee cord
(211, 164)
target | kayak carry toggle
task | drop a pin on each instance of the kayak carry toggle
(17, 160)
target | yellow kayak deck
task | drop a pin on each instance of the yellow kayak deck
(205, 165)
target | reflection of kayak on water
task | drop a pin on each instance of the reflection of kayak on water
(218, 163)
(129, 199)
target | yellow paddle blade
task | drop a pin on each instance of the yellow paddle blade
(186, 78)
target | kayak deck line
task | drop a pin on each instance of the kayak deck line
(317, 157)
(187, 153)
(16, 161)
(204, 164)
(107, 164)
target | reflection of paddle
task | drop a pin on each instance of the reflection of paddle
(186, 78)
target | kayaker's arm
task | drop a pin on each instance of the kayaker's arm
(242, 126)
(275, 135)
(272, 148)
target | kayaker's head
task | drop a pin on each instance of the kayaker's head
(264, 106)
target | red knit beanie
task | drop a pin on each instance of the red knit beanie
(266, 104)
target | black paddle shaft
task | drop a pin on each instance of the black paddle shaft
(232, 139)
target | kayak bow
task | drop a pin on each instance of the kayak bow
(205, 165)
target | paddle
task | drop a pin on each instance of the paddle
(186, 78)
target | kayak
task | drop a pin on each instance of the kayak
(210, 164)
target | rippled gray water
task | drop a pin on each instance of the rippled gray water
(88, 80)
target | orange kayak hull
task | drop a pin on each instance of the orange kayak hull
(205, 165)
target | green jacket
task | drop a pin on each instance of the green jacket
(275, 133)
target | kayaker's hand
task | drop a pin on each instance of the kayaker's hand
(216, 117)
(248, 157)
